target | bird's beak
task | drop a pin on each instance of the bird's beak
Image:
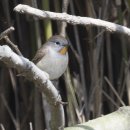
(64, 50)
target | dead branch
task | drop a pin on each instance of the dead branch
(86, 21)
(42, 81)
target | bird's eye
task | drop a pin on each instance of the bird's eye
(57, 43)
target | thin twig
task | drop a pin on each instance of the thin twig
(114, 91)
(4, 35)
(6, 32)
(111, 27)
(110, 98)
(15, 47)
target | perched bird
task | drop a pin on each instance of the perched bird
(52, 57)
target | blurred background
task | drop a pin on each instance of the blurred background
(97, 81)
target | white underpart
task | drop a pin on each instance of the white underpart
(53, 63)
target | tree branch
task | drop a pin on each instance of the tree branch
(118, 120)
(39, 77)
(111, 27)
(15, 47)
(4, 35)
(6, 32)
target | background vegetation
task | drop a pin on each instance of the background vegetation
(97, 79)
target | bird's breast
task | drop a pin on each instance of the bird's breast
(54, 64)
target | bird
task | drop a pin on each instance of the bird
(53, 57)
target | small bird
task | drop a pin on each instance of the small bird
(52, 57)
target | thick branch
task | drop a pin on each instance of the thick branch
(118, 120)
(39, 77)
(111, 27)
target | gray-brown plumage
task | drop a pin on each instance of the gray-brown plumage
(52, 57)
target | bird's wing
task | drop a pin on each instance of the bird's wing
(39, 54)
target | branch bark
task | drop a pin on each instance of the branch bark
(39, 77)
(111, 27)
(118, 120)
